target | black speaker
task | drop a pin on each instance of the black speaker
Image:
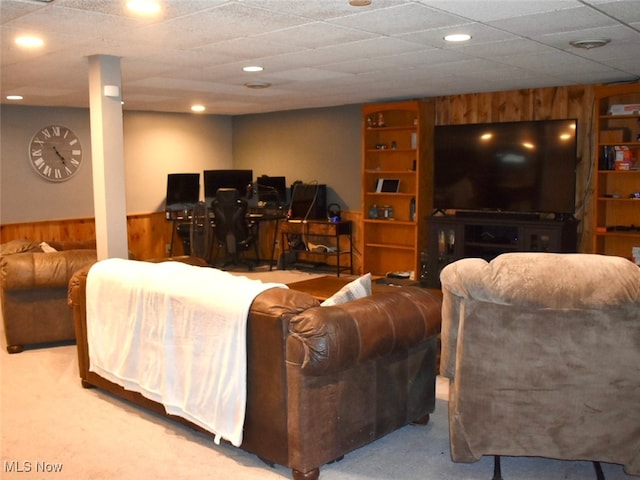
(308, 201)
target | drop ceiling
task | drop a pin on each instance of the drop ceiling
(315, 53)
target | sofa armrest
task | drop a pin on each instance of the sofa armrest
(329, 339)
(77, 282)
(24, 271)
(76, 300)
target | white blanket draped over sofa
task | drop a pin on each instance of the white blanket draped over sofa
(175, 333)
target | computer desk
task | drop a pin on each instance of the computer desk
(268, 214)
(254, 214)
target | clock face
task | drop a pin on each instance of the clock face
(55, 153)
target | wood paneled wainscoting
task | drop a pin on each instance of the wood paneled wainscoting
(149, 234)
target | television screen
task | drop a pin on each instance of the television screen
(215, 179)
(512, 167)
(272, 190)
(183, 190)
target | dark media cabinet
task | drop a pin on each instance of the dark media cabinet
(454, 237)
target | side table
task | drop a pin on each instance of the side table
(321, 229)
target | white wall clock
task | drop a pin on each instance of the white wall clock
(55, 153)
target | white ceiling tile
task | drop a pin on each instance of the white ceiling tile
(627, 10)
(315, 52)
(396, 20)
(479, 34)
(567, 20)
(489, 10)
(314, 35)
(321, 10)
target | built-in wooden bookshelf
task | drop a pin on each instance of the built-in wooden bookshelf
(617, 166)
(397, 143)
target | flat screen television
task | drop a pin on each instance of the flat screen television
(215, 179)
(183, 191)
(523, 167)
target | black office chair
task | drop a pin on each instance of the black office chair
(233, 230)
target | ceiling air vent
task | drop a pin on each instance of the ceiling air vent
(589, 44)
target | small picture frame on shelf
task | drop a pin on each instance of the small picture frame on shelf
(388, 185)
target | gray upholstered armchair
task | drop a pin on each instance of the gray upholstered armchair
(543, 354)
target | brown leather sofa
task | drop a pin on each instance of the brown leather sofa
(33, 290)
(321, 381)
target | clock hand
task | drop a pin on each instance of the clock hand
(64, 162)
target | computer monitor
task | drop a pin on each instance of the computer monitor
(308, 201)
(183, 191)
(271, 190)
(215, 179)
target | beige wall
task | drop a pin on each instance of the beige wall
(311, 145)
(24, 196)
(155, 144)
(158, 144)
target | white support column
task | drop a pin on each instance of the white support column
(107, 152)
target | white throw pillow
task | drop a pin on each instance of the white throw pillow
(359, 288)
(46, 248)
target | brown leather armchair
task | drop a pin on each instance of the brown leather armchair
(33, 291)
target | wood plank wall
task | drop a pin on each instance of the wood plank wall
(537, 104)
(149, 233)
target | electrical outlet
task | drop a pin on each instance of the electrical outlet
(167, 248)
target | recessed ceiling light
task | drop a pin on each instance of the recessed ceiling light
(457, 37)
(359, 3)
(252, 68)
(589, 44)
(198, 108)
(29, 41)
(257, 85)
(14, 97)
(144, 7)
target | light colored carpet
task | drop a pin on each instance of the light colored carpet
(49, 422)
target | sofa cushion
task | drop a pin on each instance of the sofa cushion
(19, 246)
(359, 288)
